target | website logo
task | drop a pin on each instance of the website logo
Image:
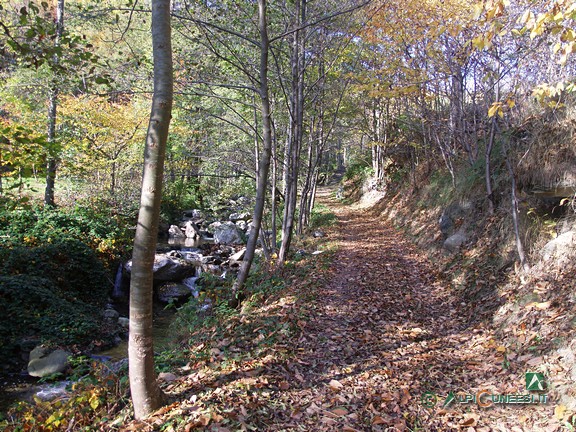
(535, 381)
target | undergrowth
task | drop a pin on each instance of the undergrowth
(216, 346)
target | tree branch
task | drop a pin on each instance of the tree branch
(318, 21)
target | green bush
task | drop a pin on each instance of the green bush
(358, 169)
(94, 225)
(178, 196)
(73, 268)
(322, 217)
(34, 309)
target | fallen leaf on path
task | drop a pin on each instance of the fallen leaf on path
(335, 385)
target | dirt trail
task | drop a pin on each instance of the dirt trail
(376, 343)
(384, 332)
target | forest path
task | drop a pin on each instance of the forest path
(370, 338)
(387, 342)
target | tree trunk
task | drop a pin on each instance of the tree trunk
(264, 164)
(297, 114)
(487, 167)
(274, 198)
(51, 164)
(146, 394)
(514, 209)
(305, 194)
(113, 179)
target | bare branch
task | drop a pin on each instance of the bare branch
(318, 21)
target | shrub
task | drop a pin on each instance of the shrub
(322, 217)
(70, 265)
(34, 309)
(94, 225)
(360, 169)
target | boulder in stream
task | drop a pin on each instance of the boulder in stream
(174, 232)
(175, 293)
(45, 362)
(170, 267)
(227, 233)
(235, 217)
(192, 231)
(238, 256)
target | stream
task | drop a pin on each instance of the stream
(160, 332)
(22, 387)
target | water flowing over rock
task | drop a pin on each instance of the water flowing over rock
(193, 214)
(118, 291)
(53, 391)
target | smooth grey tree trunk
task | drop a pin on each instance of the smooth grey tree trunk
(487, 167)
(297, 116)
(51, 164)
(514, 206)
(274, 198)
(264, 164)
(146, 394)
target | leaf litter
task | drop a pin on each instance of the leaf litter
(354, 346)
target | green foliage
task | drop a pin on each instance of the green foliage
(51, 293)
(91, 224)
(33, 42)
(36, 309)
(177, 196)
(438, 191)
(71, 265)
(322, 216)
(98, 396)
(359, 169)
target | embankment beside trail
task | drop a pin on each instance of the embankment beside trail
(532, 313)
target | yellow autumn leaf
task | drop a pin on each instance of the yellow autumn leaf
(526, 17)
(557, 47)
(537, 30)
(511, 103)
(568, 35)
(94, 401)
(53, 420)
(494, 109)
(478, 9)
(478, 42)
(559, 411)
